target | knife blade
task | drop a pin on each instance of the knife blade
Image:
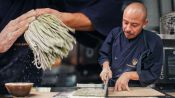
(106, 87)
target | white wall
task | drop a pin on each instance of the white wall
(157, 8)
(166, 6)
(153, 13)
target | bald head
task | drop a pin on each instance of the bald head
(134, 19)
(137, 9)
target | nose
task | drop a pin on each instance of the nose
(128, 28)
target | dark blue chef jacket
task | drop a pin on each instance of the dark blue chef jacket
(16, 64)
(142, 54)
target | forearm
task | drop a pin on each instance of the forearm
(106, 64)
(78, 21)
(7, 40)
(133, 75)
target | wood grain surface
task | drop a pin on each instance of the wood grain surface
(136, 91)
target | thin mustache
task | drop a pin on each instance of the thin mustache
(128, 32)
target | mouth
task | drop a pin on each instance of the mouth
(128, 33)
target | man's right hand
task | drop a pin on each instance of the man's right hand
(106, 73)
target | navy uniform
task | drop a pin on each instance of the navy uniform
(142, 54)
(16, 64)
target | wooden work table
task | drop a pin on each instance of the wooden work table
(67, 92)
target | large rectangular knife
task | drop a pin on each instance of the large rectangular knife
(106, 87)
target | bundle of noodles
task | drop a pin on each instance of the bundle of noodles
(49, 39)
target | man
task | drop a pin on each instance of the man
(88, 17)
(131, 55)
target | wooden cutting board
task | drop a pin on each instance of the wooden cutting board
(135, 92)
(171, 93)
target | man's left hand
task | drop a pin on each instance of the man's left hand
(122, 82)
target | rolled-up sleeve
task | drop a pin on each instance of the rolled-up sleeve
(104, 15)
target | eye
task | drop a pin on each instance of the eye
(125, 22)
(134, 25)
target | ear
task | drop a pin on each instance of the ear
(145, 23)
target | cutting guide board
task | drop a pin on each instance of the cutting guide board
(136, 91)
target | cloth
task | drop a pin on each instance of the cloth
(142, 54)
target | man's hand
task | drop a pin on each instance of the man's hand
(14, 29)
(106, 73)
(20, 24)
(48, 11)
(122, 82)
(63, 16)
(78, 20)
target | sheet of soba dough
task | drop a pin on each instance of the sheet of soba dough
(93, 92)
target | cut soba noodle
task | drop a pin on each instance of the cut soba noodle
(49, 39)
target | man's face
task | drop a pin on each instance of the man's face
(133, 24)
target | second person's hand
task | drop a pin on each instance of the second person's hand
(14, 29)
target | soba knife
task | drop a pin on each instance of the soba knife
(106, 87)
